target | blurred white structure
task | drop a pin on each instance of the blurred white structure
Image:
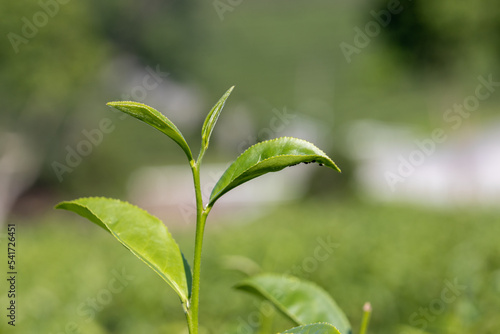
(154, 86)
(463, 167)
(167, 191)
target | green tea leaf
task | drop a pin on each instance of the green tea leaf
(212, 117)
(321, 328)
(302, 301)
(154, 118)
(143, 234)
(268, 156)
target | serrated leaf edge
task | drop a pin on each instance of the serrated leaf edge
(185, 298)
(212, 200)
(115, 104)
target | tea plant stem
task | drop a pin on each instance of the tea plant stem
(201, 218)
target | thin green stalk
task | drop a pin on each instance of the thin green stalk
(367, 311)
(201, 218)
(189, 319)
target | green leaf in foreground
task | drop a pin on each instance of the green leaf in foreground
(268, 156)
(143, 234)
(154, 118)
(314, 329)
(302, 301)
(211, 120)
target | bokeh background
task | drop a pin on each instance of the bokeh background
(403, 95)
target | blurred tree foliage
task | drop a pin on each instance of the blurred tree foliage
(47, 61)
(445, 35)
(52, 60)
(158, 32)
(42, 74)
(45, 73)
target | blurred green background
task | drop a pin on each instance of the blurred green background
(61, 61)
